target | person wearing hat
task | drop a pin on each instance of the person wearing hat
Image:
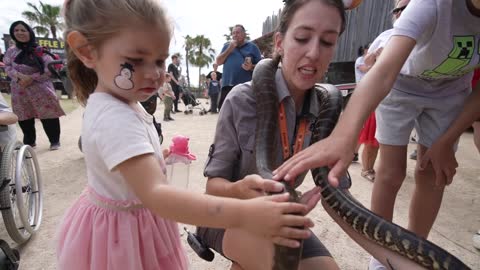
(33, 94)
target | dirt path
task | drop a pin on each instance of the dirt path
(64, 178)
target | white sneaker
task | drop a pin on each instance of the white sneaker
(375, 265)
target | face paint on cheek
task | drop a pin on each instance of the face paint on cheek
(124, 78)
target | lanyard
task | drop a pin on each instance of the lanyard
(300, 136)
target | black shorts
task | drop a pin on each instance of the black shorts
(213, 238)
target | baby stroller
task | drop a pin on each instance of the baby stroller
(191, 103)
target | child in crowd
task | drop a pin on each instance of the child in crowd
(125, 219)
(168, 98)
(213, 92)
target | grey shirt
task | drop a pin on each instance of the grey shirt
(10, 133)
(232, 153)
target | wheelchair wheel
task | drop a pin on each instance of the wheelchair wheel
(21, 201)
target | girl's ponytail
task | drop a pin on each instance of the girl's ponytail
(84, 79)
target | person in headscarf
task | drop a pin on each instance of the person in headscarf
(33, 94)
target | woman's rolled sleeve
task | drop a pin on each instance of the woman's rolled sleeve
(224, 152)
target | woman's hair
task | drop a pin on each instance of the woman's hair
(292, 6)
(98, 21)
(27, 55)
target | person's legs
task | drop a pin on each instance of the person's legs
(314, 263)
(176, 91)
(476, 134)
(369, 155)
(52, 129)
(355, 154)
(168, 108)
(426, 199)
(223, 94)
(237, 247)
(388, 179)
(28, 129)
(214, 101)
(434, 120)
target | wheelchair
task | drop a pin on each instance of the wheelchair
(21, 200)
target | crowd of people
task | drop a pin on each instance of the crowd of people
(116, 57)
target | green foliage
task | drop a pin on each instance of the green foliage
(46, 19)
(201, 54)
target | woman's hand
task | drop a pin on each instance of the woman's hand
(442, 157)
(334, 152)
(275, 218)
(24, 80)
(311, 198)
(253, 186)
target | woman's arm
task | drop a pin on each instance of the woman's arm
(8, 60)
(46, 75)
(337, 150)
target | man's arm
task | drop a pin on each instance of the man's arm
(225, 53)
(173, 78)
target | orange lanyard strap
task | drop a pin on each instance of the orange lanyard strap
(300, 136)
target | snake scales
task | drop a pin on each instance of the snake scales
(360, 219)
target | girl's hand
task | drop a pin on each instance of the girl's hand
(253, 186)
(165, 153)
(442, 157)
(274, 218)
(334, 152)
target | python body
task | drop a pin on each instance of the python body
(338, 202)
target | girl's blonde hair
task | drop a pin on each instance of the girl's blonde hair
(99, 20)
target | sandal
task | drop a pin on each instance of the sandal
(369, 175)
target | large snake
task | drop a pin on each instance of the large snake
(339, 201)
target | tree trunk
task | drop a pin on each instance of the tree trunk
(186, 62)
(53, 29)
(200, 78)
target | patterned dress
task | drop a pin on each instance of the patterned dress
(37, 100)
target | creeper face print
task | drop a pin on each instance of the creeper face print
(460, 56)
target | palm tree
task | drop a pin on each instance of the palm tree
(47, 19)
(188, 52)
(202, 54)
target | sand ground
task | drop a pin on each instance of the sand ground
(64, 178)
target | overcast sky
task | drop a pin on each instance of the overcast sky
(210, 18)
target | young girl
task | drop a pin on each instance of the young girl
(428, 61)
(116, 53)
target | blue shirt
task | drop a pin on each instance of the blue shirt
(213, 87)
(233, 73)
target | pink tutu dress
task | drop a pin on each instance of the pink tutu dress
(108, 228)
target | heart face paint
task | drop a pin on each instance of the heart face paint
(124, 78)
